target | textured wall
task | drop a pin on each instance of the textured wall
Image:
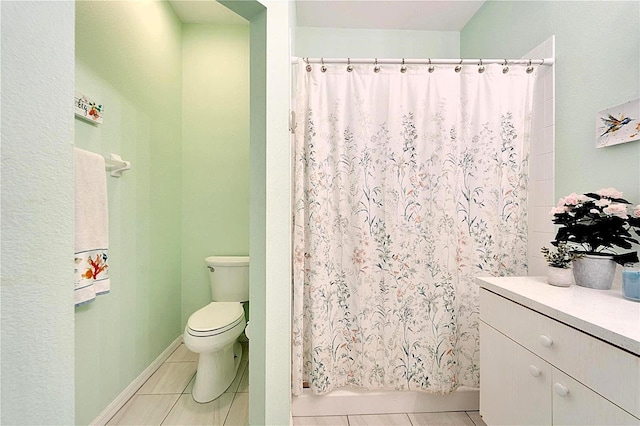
(37, 213)
(128, 57)
(215, 152)
(597, 66)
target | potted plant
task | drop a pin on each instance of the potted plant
(593, 224)
(559, 271)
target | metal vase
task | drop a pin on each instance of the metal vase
(594, 271)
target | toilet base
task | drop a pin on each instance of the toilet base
(216, 371)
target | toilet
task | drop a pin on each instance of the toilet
(213, 331)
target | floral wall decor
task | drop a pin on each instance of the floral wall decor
(88, 109)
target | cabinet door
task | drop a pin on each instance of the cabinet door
(514, 383)
(576, 404)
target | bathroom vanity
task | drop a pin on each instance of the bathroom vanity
(557, 356)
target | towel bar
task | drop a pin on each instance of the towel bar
(116, 165)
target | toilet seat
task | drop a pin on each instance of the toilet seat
(215, 318)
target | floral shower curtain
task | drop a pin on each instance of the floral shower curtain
(407, 187)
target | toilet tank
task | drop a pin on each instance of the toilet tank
(229, 278)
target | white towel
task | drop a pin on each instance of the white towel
(92, 227)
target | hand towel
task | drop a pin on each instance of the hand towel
(91, 227)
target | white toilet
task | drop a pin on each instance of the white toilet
(213, 331)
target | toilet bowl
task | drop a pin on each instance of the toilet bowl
(213, 330)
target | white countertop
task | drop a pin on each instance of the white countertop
(604, 314)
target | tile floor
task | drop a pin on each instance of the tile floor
(165, 399)
(458, 418)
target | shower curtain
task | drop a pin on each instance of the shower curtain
(407, 185)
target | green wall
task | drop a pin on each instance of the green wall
(271, 29)
(176, 103)
(128, 57)
(366, 43)
(597, 66)
(215, 152)
(274, 369)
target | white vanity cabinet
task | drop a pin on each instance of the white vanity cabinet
(514, 382)
(544, 362)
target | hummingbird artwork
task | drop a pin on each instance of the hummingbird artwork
(613, 124)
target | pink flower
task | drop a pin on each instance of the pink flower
(603, 202)
(571, 199)
(559, 210)
(609, 193)
(616, 209)
(636, 211)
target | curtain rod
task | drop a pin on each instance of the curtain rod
(542, 61)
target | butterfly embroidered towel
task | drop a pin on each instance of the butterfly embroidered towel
(91, 272)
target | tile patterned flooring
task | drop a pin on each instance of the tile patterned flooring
(165, 399)
(453, 418)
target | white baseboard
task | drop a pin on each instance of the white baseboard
(344, 402)
(133, 387)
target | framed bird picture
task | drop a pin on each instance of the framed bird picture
(618, 124)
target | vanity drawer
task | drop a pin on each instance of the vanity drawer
(606, 369)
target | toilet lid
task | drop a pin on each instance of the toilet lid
(215, 315)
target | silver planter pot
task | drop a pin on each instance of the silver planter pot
(594, 271)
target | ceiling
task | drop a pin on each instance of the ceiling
(425, 15)
(205, 12)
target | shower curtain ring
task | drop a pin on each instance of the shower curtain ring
(480, 67)
(529, 67)
(431, 67)
(323, 68)
(308, 64)
(376, 67)
(349, 66)
(506, 68)
(403, 68)
(458, 67)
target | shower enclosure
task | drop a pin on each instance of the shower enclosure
(409, 181)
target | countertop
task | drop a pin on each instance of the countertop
(604, 314)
